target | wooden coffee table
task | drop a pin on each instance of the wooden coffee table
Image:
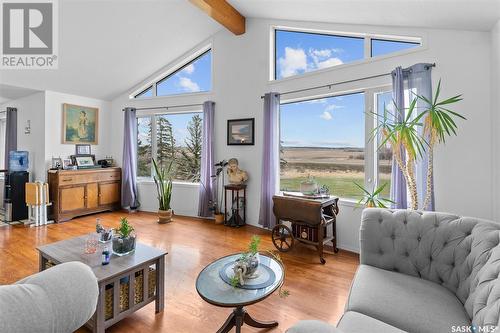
(131, 274)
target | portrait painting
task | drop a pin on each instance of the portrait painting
(80, 124)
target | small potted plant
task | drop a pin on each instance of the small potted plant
(163, 181)
(371, 199)
(124, 239)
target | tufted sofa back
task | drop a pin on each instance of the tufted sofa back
(459, 253)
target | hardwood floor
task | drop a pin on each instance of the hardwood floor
(317, 291)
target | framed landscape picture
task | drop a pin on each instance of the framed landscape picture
(241, 132)
(80, 124)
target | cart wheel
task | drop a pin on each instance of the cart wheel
(336, 250)
(282, 238)
(323, 261)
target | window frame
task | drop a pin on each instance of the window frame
(154, 143)
(177, 66)
(139, 95)
(370, 152)
(367, 48)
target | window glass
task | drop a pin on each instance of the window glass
(144, 147)
(381, 47)
(325, 139)
(179, 139)
(300, 52)
(384, 154)
(145, 93)
(195, 76)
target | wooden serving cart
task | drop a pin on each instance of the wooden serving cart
(313, 222)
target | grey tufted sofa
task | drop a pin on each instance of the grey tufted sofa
(422, 272)
(58, 300)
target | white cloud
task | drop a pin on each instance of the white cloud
(332, 107)
(322, 58)
(295, 60)
(326, 115)
(328, 63)
(188, 85)
(189, 69)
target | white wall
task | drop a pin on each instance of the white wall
(495, 109)
(31, 108)
(53, 126)
(463, 168)
(44, 110)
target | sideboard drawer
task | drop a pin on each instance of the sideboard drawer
(78, 179)
(109, 176)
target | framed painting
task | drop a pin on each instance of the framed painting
(241, 132)
(80, 124)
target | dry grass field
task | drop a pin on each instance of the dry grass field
(337, 168)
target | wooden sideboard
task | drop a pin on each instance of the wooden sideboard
(79, 192)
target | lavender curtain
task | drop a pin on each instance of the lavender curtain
(129, 164)
(207, 161)
(417, 80)
(270, 160)
(398, 183)
(10, 133)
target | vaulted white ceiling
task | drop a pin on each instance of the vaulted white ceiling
(108, 46)
(447, 14)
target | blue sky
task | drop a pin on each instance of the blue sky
(194, 77)
(298, 52)
(327, 122)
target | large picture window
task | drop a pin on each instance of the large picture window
(171, 138)
(327, 139)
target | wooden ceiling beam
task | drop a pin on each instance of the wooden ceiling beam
(224, 13)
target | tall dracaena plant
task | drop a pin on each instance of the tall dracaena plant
(163, 182)
(400, 132)
(438, 124)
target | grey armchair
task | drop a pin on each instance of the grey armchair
(422, 272)
(60, 300)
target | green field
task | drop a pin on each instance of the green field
(340, 186)
(337, 168)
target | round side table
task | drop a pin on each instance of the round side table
(215, 291)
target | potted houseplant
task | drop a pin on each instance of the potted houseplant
(371, 199)
(163, 181)
(413, 135)
(124, 239)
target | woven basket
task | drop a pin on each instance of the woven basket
(124, 289)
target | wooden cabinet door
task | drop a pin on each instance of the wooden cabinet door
(92, 196)
(109, 193)
(72, 198)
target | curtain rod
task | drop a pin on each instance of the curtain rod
(343, 82)
(168, 107)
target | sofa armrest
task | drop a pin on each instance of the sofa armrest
(60, 299)
(313, 326)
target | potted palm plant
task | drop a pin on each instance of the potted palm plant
(412, 135)
(371, 199)
(163, 181)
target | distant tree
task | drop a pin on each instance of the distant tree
(165, 139)
(144, 150)
(190, 158)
